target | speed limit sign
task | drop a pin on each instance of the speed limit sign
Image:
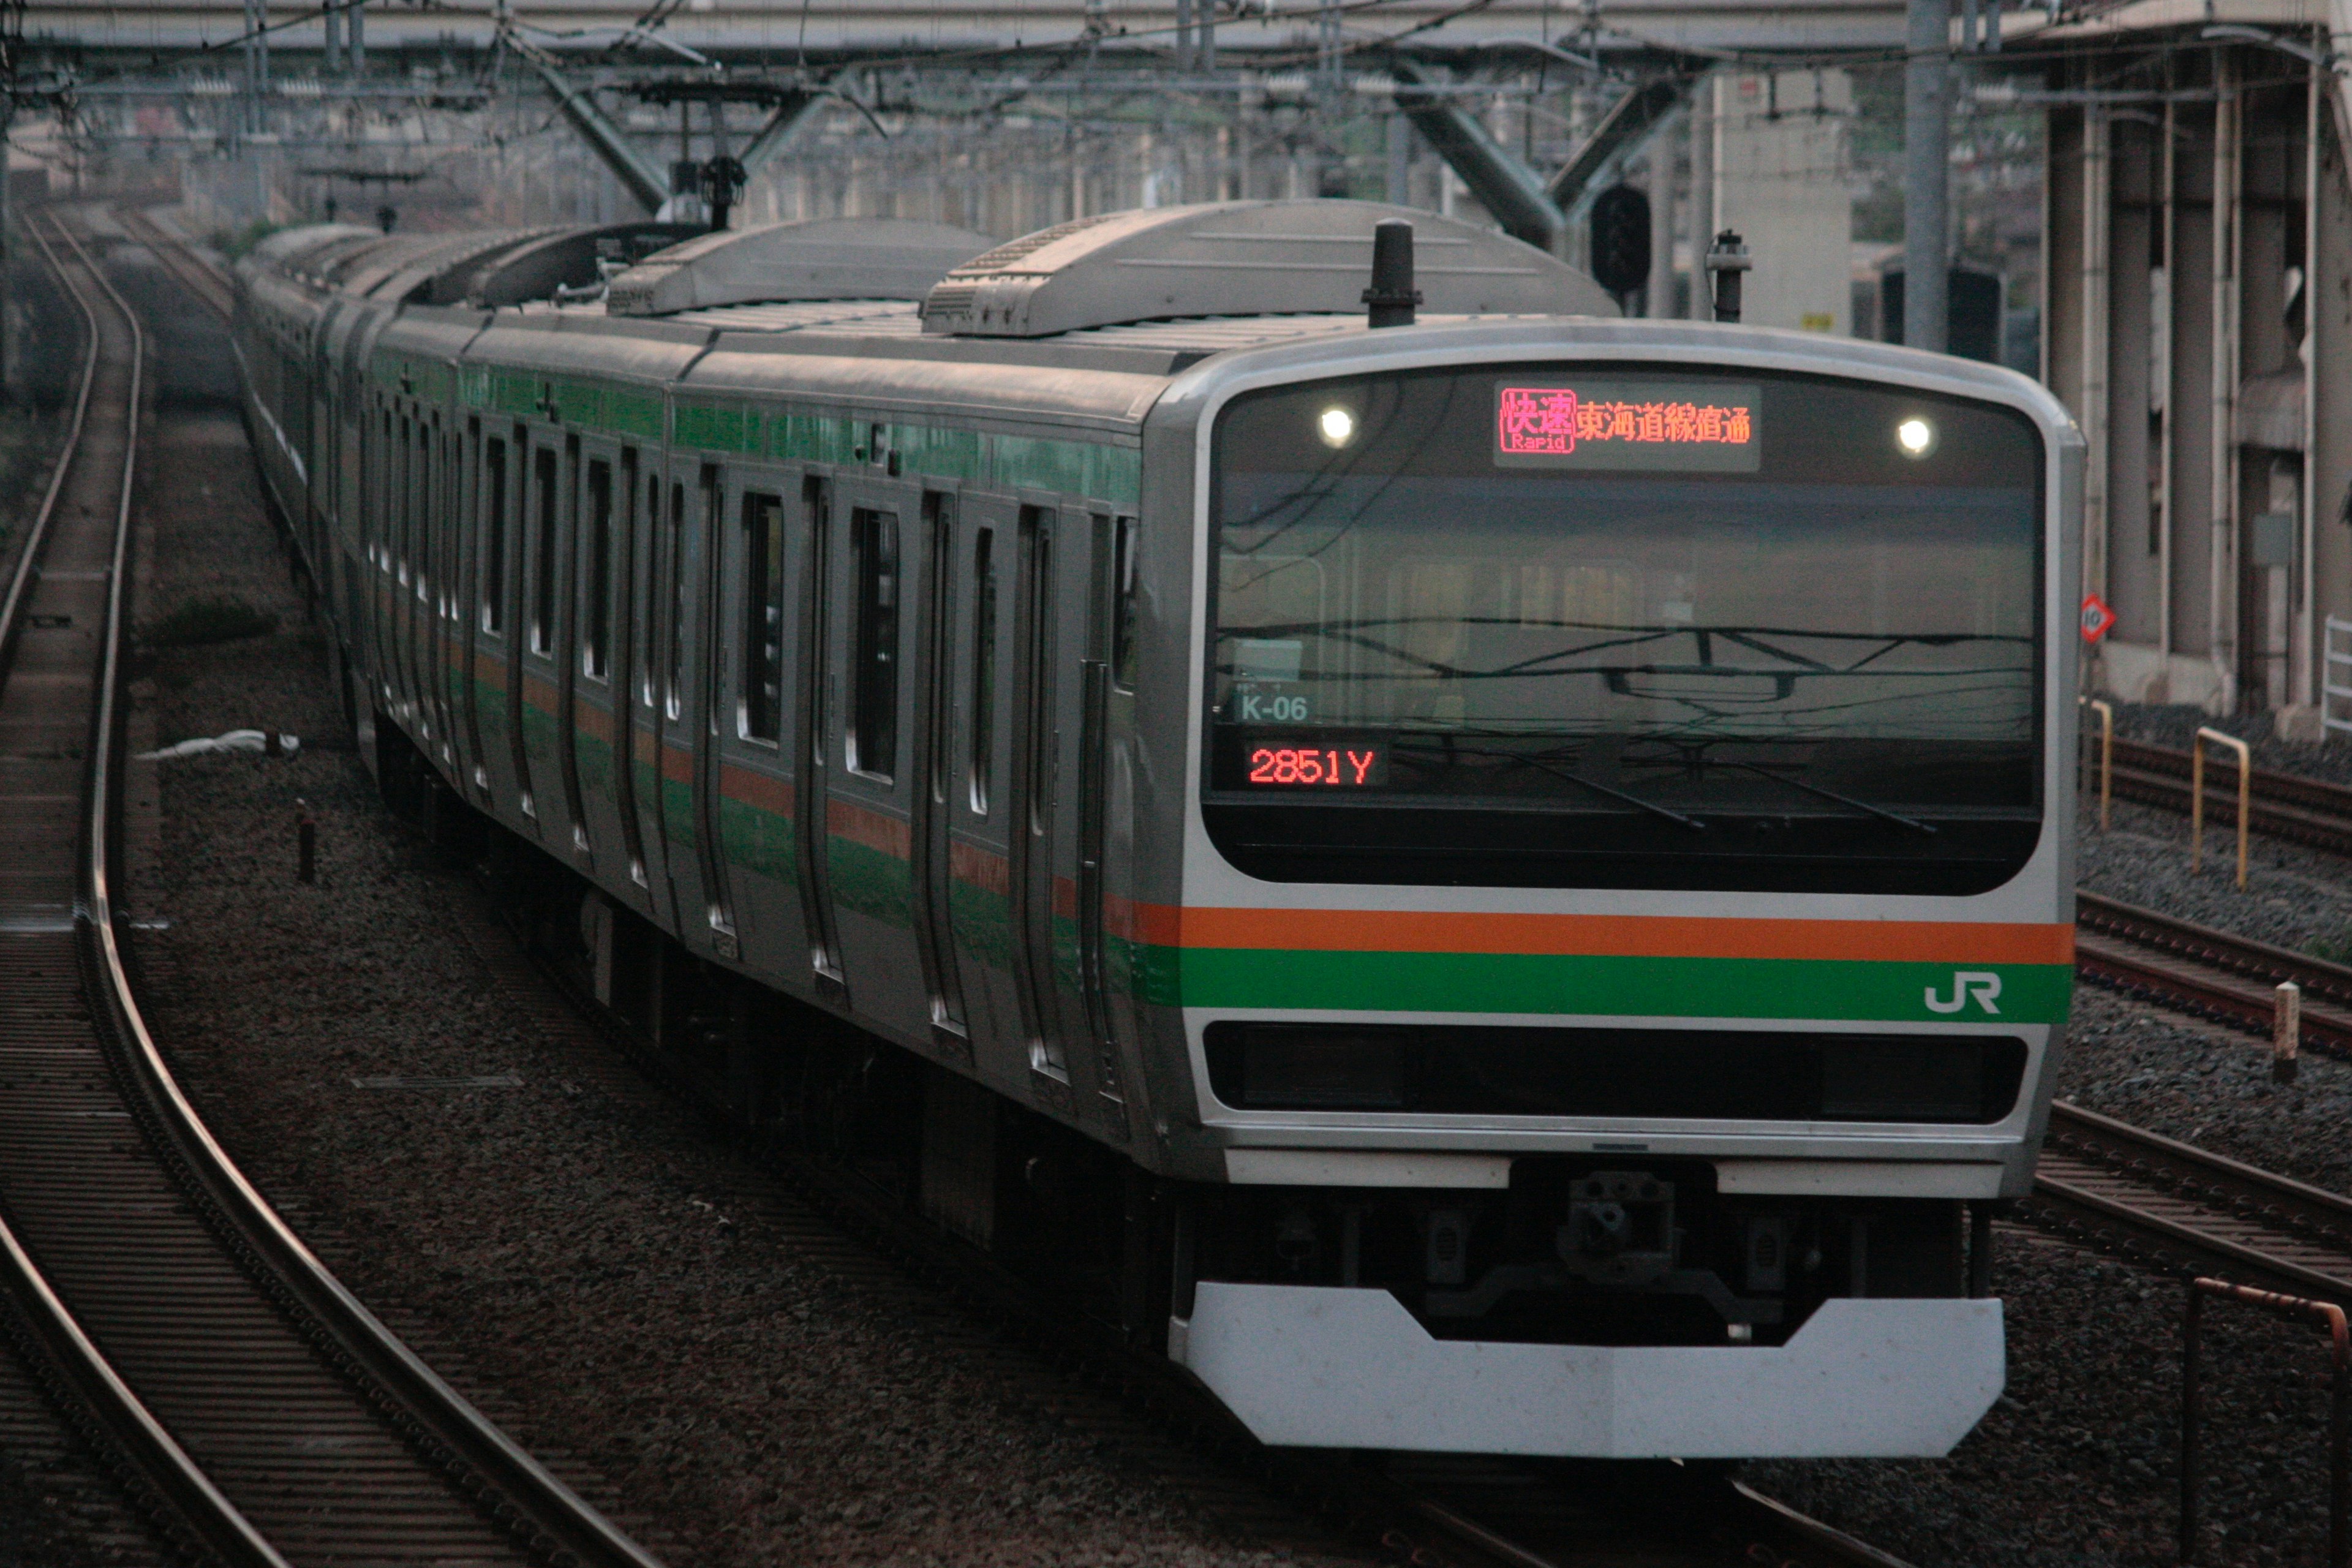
(2097, 618)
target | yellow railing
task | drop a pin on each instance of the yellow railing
(2196, 796)
(2106, 712)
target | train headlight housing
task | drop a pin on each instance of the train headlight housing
(1337, 425)
(1915, 436)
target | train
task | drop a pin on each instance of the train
(1484, 875)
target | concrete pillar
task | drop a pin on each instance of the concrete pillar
(1658, 295)
(1927, 161)
(1702, 194)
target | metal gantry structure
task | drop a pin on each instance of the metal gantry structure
(2203, 153)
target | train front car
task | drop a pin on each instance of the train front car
(1620, 923)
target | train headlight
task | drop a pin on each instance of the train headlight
(1916, 436)
(1336, 425)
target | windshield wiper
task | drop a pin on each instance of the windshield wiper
(1635, 800)
(1846, 800)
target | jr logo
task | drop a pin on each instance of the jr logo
(1980, 984)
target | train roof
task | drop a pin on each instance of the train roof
(1242, 259)
(814, 259)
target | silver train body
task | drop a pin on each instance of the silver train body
(1498, 884)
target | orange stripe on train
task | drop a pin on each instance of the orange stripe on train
(1619, 936)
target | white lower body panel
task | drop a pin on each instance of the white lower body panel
(1325, 1367)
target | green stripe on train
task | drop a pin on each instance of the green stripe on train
(1644, 987)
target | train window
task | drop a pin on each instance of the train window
(1122, 605)
(595, 642)
(763, 617)
(983, 668)
(675, 564)
(874, 654)
(542, 587)
(494, 537)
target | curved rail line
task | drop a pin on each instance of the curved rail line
(197, 277)
(265, 1415)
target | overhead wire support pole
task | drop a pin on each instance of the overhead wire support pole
(644, 180)
(1510, 191)
(1926, 157)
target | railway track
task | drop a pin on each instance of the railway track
(2176, 1207)
(261, 1413)
(2283, 806)
(2218, 974)
(173, 253)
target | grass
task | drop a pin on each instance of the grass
(217, 618)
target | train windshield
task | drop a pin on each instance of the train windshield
(1709, 629)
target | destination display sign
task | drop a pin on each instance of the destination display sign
(1652, 427)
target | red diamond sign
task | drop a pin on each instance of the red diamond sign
(2097, 620)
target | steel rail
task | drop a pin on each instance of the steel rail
(195, 274)
(2285, 806)
(2189, 1209)
(100, 1394)
(2216, 973)
(27, 563)
(555, 1522)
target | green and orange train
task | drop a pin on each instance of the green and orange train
(1495, 881)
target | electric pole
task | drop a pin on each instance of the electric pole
(1926, 157)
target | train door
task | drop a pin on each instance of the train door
(620, 592)
(321, 456)
(1110, 572)
(542, 689)
(815, 744)
(440, 556)
(466, 597)
(403, 475)
(654, 669)
(876, 594)
(754, 809)
(980, 818)
(570, 525)
(1041, 642)
(942, 644)
(692, 717)
(497, 612)
(594, 748)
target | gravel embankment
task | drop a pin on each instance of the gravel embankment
(2294, 896)
(622, 1282)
